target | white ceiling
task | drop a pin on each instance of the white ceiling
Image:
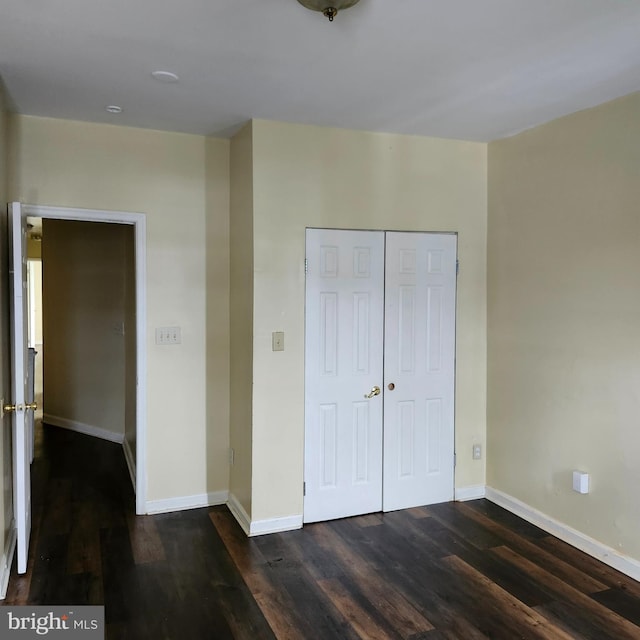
(469, 69)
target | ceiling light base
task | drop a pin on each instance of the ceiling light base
(328, 8)
(331, 13)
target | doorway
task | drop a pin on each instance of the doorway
(379, 371)
(135, 453)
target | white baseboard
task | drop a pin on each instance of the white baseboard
(473, 492)
(187, 502)
(625, 564)
(81, 427)
(262, 527)
(238, 512)
(275, 525)
(131, 462)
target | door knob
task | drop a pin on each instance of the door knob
(8, 408)
(31, 405)
(374, 392)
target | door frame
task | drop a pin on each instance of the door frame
(138, 221)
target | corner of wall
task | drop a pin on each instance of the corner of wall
(241, 315)
(218, 331)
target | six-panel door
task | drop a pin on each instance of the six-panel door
(380, 322)
(419, 356)
(343, 363)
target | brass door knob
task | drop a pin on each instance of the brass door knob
(374, 392)
(31, 405)
(8, 408)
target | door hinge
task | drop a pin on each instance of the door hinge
(304, 488)
(457, 267)
(306, 266)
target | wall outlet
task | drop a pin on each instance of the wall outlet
(581, 482)
(477, 452)
(168, 335)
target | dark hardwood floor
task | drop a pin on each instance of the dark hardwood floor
(459, 571)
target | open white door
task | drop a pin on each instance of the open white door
(21, 448)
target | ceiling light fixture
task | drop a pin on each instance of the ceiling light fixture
(328, 8)
(114, 108)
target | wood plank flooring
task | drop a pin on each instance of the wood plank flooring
(457, 571)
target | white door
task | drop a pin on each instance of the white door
(419, 357)
(21, 448)
(395, 449)
(343, 363)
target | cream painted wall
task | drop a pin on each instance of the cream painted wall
(162, 175)
(310, 176)
(35, 290)
(242, 432)
(217, 283)
(564, 313)
(34, 249)
(6, 491)
(84, 296)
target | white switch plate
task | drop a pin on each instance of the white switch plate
(477, 452)
(277, 341)
(168, 335)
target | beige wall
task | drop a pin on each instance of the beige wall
(34, 249)
(6, 496)
(564, 312)
(84, 311)
(74, 164)
(35, 294)
(311, 176)
(217, 284)
(241, 315)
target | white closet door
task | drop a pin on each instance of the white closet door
(420, 302)
(343, 363)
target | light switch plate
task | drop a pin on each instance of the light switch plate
(277, 341)
(168, 335)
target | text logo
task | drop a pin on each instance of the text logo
(86, 622)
